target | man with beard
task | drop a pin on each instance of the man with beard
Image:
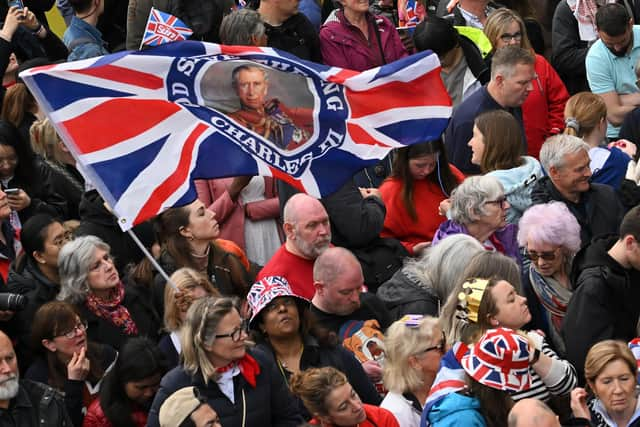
(308, 234)
(25, 403)
(610, 64)
(595, 206)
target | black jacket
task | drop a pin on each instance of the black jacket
(36, 405)
(316, 355)
(26, 279)
(604, 304)
(297, 36)
(96, 220)
(568, 52)
(474, 59)
(404, 295)
(268, 404)
(139, 304)
(599, 211)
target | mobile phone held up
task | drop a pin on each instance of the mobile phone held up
(15, 3)
(10, 191)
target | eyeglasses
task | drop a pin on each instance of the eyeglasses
(278, 302)
(441, 347)
(79, 327)
(506, 37)
(66, 237)
(501, 201)
(236, 334)
(547, 256)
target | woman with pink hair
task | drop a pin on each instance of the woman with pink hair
(550, 235)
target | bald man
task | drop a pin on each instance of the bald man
(24, 403)
(532, 413)
(308, 234)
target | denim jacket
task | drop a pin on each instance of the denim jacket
(83, 40)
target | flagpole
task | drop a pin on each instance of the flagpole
(145, 28)
(150, 257)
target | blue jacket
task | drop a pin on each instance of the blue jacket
(454, 410)
(614, 169)
(83, 40)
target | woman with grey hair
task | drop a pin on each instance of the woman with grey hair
(479, 208)
(91, 283)
(243, 27)
(422, 285)
(243, 387)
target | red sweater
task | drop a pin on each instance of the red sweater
(543, 111)
(376, 417)
(426, 197)
(298, 271)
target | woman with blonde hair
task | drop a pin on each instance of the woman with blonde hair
(243, 387)
(327, 395)
(611, 398)
(543, 108)
(585, 116)
(191, 286)
(414, 346)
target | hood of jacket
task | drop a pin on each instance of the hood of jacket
(518, 182)
(452, 404)
(595, 255)
(403, 287)
(26, 276)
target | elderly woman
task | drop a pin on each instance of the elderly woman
(484, 302)
(327, 395)
(542, 111)
(353, 38)
(243, 27)
(414, 346)
(286, 332)
(479, 208)
(551, 236)
(244, 388)
(191, 286)
(90, 281)
(423, 285)
(610, 371)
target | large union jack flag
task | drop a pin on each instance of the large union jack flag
(144, 125)
(164, 28)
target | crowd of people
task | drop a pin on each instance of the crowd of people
(484, 278)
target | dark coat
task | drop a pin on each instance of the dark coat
(36, 405)
(404, 295)
(598, 212)
(26, 279)
(296, 35)
(604, 304)
(268, 404)
(316, 355)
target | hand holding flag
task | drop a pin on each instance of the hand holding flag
(164, 28)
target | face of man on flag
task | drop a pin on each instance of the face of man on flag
(251, 86)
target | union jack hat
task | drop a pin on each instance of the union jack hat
(266, 290)
(500, 360)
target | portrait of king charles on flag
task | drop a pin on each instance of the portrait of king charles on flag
(277, 106)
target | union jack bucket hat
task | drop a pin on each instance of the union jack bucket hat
(500, 360)
(266, 290)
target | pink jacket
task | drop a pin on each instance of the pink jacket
(344, 45)
(229, 214)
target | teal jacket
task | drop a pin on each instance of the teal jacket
(456, 410)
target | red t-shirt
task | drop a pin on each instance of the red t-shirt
(298, 271)
(376, 417)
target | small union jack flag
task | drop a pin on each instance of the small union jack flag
(164, 28)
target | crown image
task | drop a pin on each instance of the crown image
(469, 299)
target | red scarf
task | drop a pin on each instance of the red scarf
(113, 310)
(249, 368)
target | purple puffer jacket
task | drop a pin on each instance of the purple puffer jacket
(507, 236)
(343, 45)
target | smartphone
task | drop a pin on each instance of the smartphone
(10, 191)
(15, 3)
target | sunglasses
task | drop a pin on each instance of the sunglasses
(441, 347)
(547, 256)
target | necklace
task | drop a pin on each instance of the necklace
(283, 365)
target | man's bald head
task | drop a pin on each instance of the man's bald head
(338, 279)
(532, 413)
(306, 225)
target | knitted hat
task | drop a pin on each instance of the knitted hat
(266, 290)
(179, 406)
(500, 360)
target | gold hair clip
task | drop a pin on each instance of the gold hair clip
(470, 297)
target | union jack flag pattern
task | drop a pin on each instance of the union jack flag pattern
(266, 290)
(634, 346)
(500, 360)
(164, 28)
(144, 125)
